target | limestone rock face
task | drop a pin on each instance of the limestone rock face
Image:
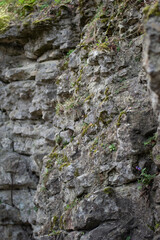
(152, 66)
(76, 121)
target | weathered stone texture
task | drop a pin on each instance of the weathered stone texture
(75, 121)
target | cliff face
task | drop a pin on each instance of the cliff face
(77, 124)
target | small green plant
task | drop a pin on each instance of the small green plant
(69, 52)
(158, 157)
(128, 238)
(157, 225)
(112, 147)
(122, 79)
(76, 172)
(43, 189)
(85, 128)
(120, 117)
(65, 143)
(43, 6)
(108, 190)
(71, 205)
(58, 139)
(55, 220)
(4, 23)
(2, 3)
(55, 233)
(35, 208)
(151, 10)
(59, 108)
(62, 161)
(26, 1)
(118, 48)
(145, 178)
(88, 98)
(57, 1)
(150, 141)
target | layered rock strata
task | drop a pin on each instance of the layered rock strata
(75, 121)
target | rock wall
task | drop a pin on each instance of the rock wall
(75, 122)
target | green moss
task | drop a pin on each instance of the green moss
(64, 165)
(104, 118)
(55, 221)
(108, 190)
(58, 139)
(53, 155)
(41, 21)
(68, 105)
(88, 195)
(43, 189)
(76, 172)
(88, 98)
(146, 9)
(119, 118)
(76, 83)
(85, 129)
(4, 23)
(49, 164)
(55, 233)
(26, 23)
(61, 222)
(94, 147)
(107, 93)
(62, 161)
(157, 225)
(58, 82)
(81, 4)
(71, 205)
(46, 175)
(158, 157)
(59, 108)
(102, 46)
(105, 20)
(153, 10)
(64, 65)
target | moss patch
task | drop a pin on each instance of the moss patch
(108, 190)
(85, 129)
(120, 117)
(4, 23)
(153, 10)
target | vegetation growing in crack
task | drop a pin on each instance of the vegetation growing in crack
(145, 182)
(68, 105)
(18, 10)
(4, 23)
(151, 141)
(145, 179)
(120, 117)
(108, 190)
(71, 205)
(86, 127)
(152, 10)
(109, 19)
(112, 147)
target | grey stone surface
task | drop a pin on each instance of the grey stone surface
(75, 121)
